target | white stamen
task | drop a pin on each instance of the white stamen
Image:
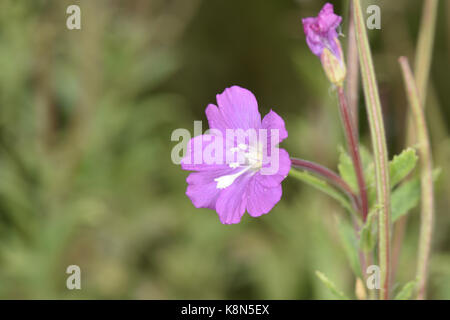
(234, 165)
(254, 158)
(242, 146)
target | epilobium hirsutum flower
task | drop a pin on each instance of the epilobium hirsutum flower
(322, 39)
(238, 166)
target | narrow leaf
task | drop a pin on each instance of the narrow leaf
(350, 243)
(368, 238)
(330, 285)
(406, 291)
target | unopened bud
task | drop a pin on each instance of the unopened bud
(334, 66)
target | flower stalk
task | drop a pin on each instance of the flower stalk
(329, 175)
(378, 137)
(353, 146)
(427, 202)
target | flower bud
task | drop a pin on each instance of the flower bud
(333, 66)
(322, 39)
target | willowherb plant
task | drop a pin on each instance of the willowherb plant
(230, 161)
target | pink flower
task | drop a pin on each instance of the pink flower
(322, 39)
(321, 31)
(248, 169)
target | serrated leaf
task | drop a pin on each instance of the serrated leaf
(350, 243)
(401, 165)
(407, 291)
(330, 285)
(323, 186)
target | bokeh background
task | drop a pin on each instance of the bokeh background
(86, 176)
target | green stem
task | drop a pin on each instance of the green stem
(352, 85)
(424, 53)
(424, 50)
(426, 176)
(375, 116)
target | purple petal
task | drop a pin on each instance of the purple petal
(202, 189)
(261, 199)
(273, 121)
(284, 165)
(230, 205)
(197, 159)
(321, 31)
(238, 109)
(215, 118)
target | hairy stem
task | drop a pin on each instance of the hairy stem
(378, 136)
(426, 177)
(329, 175)
(353, 146)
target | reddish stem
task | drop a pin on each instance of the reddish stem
(329, 175)
(353, 146)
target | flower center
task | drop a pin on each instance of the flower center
(253, 161)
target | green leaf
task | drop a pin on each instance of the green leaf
(405, 198)
(406, 291)
(368, 237)
(323, 186)
(402, 165)
(350, 243)
(330, 285)
(347, 171)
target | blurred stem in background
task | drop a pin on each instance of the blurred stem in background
(424, 54)
(352, 84)
(426, 177)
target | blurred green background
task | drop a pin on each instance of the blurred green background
(86, 176)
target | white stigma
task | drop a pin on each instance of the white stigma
(226, 181)
(253, 157)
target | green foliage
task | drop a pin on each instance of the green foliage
(330, 285)
(368, 236)
(402, 165)
(405, 198)
(407, 291)
(350, 244)
(323, 186)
